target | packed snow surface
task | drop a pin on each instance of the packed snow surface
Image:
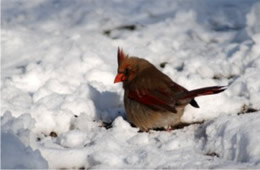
(58, 63)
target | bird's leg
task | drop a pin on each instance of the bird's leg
(169, 128)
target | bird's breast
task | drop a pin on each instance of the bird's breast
(146, 118)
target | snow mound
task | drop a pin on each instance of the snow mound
(15, 152)
(234, 138)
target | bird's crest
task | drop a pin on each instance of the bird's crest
(121, 56)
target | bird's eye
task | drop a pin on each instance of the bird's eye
(126, 72)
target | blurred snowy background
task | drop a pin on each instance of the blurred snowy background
(58, 63)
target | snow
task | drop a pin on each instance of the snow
(15, 137)
(58, 63)
(234, 139)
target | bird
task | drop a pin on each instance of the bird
(151, 99)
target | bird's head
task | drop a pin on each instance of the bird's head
(129, 67)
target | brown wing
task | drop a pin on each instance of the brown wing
(155, 89)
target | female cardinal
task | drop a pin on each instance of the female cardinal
(151, 98)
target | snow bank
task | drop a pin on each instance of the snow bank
(234, 138)
(15, 151)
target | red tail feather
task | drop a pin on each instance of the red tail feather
(204, 91)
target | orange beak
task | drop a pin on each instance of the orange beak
(119, 77)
